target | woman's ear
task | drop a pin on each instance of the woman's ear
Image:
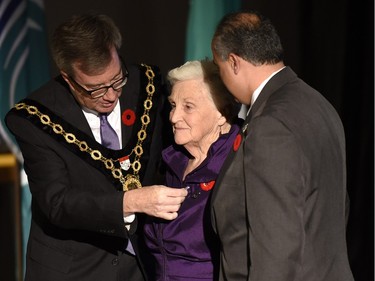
(222, 120)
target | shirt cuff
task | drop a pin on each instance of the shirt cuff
(129, 219)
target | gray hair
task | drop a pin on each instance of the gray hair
(206, 69)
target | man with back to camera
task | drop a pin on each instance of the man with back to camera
(280, 207)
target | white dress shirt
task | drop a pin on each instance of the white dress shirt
(114, 119)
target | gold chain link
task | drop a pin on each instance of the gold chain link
(130, 181)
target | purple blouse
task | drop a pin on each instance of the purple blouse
(187, 248)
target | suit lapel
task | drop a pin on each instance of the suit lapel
(68, 109)
(129, 104)
(277, 81)
(281, 78)
(226, 164)
(76, 117)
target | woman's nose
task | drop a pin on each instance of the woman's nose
(174, 115)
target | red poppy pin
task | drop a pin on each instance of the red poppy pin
(237, 142)
(206, 186)
(128, 117)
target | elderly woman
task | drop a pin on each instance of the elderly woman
(204, 120)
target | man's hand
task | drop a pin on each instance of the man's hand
(156, 200)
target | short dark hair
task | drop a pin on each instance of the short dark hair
(248, 35)
(86, 40)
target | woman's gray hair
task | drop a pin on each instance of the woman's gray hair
(206, 69)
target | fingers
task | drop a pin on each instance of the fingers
(167, 202)
(170, 196)
(157, 200)
(169, 216)
(174, 192)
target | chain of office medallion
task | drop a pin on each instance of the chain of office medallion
(96, 154)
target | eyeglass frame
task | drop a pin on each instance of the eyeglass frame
(89, 92)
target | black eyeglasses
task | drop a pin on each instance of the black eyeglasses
(97, 93)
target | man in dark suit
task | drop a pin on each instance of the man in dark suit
(280, 206)
(85, 195)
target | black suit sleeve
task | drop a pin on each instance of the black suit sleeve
(69, 193)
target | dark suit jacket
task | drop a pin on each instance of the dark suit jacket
(77, 230)
(279, 207)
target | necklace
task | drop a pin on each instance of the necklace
(132, 180)
(128, 182)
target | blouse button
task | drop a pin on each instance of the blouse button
(195, 194)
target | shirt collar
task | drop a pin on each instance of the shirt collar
(260, 88)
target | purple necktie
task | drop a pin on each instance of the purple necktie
(108, 135)
(110, 140)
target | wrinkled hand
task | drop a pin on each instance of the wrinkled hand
(156, 200)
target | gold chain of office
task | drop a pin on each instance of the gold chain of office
(130, 181)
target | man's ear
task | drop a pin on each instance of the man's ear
(65, 76)
(234, 62)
